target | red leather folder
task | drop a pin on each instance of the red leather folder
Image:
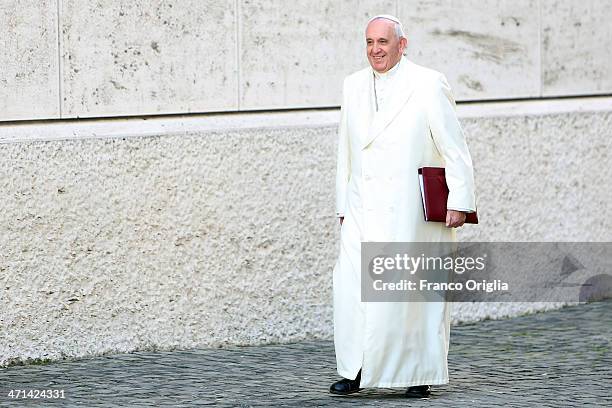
(434, 193)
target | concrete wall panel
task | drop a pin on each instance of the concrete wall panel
(28, 60)
(576, 47)
(148, 57)
(487, 49)
(297, 56)
(116, 58)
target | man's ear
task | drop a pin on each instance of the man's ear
(403, 44)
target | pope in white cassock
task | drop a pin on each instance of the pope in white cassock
(397, 116)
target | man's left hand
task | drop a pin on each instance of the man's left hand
(454, 218)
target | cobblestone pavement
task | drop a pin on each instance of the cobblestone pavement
(553, 359)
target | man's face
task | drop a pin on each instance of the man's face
(384, 49)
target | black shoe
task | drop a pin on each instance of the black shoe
(420, 391)
(346, 386)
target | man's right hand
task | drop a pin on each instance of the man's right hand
(341, 220)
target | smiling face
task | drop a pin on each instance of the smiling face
(384, 48)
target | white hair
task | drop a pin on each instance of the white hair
(399, 29)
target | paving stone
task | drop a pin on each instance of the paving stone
(554, 359)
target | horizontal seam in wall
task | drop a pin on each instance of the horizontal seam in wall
(157, 133)
(287, 110)
(173, 125)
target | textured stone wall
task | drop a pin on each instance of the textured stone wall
(213, 237)
(67, 59)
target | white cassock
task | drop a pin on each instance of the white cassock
(396, 344)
